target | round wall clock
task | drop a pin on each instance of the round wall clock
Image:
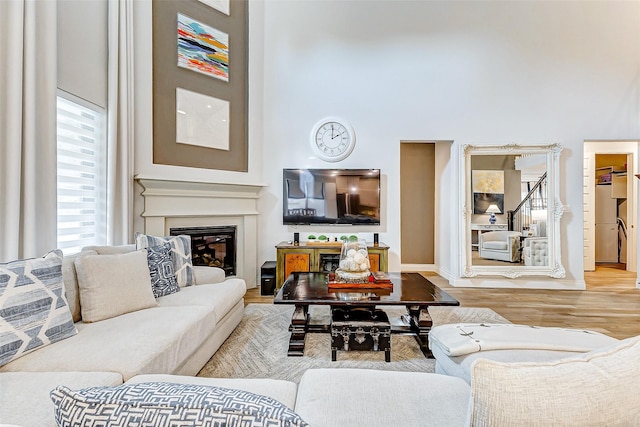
(333, 139)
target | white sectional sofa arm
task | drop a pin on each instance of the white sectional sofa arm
(207, 275)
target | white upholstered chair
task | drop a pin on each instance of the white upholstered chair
(499, 245)
(536, 251)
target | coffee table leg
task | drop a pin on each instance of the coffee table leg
(421, 324)
(298, 330)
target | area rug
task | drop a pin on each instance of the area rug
(257, 348)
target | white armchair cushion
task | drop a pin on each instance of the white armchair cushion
(498, 245)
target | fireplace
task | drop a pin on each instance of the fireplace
(212, 246)
(173, 203)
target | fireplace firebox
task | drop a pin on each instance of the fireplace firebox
(212, 246)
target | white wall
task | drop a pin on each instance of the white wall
(471, 72)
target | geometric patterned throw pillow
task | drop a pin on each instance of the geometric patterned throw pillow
(166, 404)
(180, 254)
(163, 276)
(33, 306)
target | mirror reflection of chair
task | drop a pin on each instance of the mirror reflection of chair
(499, 245)
(536, 251)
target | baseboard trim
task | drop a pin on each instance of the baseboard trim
(500, 282)
(408, 268)
(520, 283)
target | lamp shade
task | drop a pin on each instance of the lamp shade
(493, 208)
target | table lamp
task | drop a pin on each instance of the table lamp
(493, 209)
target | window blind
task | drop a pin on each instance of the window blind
(81, 175)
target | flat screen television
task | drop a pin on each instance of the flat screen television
(331, 196)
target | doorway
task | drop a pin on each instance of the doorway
(610, 206)
(417, 202)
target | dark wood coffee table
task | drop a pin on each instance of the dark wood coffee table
(411, 290)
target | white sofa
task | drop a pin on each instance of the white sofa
(169, 343)
(591, 389)
(499, 245)
(178, 336)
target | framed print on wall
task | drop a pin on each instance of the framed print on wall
(488, 189)
(201, 120)
(202, 48)
(221, 5)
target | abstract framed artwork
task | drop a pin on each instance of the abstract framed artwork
(202, 48)
(488, 188)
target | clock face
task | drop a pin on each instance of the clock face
(332, 139)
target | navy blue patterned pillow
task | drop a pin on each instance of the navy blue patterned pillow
(180, 253)
(166, 404)
(163, 276)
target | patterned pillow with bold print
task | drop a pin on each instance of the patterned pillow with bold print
(167, 404)
(163, 276)
(33, 307)
(180, 254)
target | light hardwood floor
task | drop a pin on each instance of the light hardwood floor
(610, 304)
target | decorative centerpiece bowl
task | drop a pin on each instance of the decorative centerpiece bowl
(354, 262)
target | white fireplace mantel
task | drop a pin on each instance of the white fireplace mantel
(170, 204)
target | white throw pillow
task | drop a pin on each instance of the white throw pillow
(111, 285)
(597, 389)
(71, 287)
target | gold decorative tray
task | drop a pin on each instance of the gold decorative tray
(359, 286)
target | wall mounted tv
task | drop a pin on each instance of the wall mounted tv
(331, 196)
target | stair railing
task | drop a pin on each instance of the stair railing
(520, 217)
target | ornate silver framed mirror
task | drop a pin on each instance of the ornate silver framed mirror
(511, 211)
